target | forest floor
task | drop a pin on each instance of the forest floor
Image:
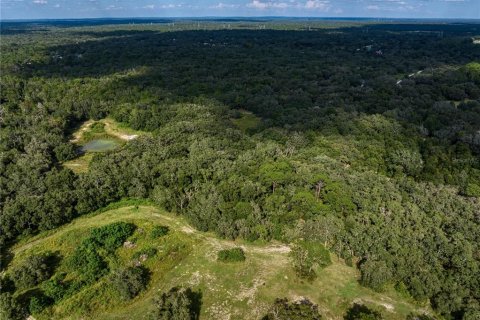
(187, 257)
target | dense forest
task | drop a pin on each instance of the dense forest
(365, 139)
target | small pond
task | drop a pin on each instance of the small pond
(99, 145)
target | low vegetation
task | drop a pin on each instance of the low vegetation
(231, 255)
(356, 143)
(135, 276)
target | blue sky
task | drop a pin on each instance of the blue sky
(32, 9)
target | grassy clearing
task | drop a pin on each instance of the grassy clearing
(102, 129)
(247, 121)
(186, 257)
(80, 164)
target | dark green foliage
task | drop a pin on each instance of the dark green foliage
(159, 231)
(231, 255)
(10, 308)
(307, 256)
(361, 312)
(38, 303)
(88, 262)
(65, 151)
(87, 258)
(177, 304)
(55, 289)
(419, 317)
(375, 274)
(130, 281)
(111, 236)
(282, 309)
(378, 172)
(6, 284)
(32, 271)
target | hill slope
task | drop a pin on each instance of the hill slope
(187, 257)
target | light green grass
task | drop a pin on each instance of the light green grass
(187, 257)
(114, 131)
(80, 164)
(247, 121)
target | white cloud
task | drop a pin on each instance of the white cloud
(322, 5)
(372, 7)
(317, 4)
(222, 5)
(257, 4)
(149, 6)
(40, 1)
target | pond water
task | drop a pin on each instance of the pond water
(99, 145)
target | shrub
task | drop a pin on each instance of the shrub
(178, 303)
(54, 289)
(361, 312)
(32, 271)
(412, 316)
(308, 255)
(111, 236)
(130, 281)
(231, 255)
(88, 262)
(149, 252)
(10, 308)
(38, 303)
(159, 231)
(283, 310)
(6, 284)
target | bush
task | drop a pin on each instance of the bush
(283, 310)
(32, 271)
(10, 308)
(178, 303)
(111, 236)
(130, 281)
(54, 289)
(149, 252)
(159, 231)
(88, 262)
(231, 255)
(412, 316)
(308, 255)
(361, 312)
(6, 284)
(38, 303)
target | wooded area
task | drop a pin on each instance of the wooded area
(367, 141)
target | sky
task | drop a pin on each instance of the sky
(57, 9)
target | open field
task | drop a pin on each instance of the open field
(187, 257)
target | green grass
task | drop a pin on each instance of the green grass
(80, 164)
(90, 130)
(186, 257)
(247, 121)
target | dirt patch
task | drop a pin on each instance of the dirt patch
(188, 229)
(77, 135)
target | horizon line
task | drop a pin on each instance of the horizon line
(232, 17)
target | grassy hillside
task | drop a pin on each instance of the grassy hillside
(187, 257)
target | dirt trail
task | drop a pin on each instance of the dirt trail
(109, 129)
(77, 135)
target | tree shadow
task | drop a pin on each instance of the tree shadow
(195, 302)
